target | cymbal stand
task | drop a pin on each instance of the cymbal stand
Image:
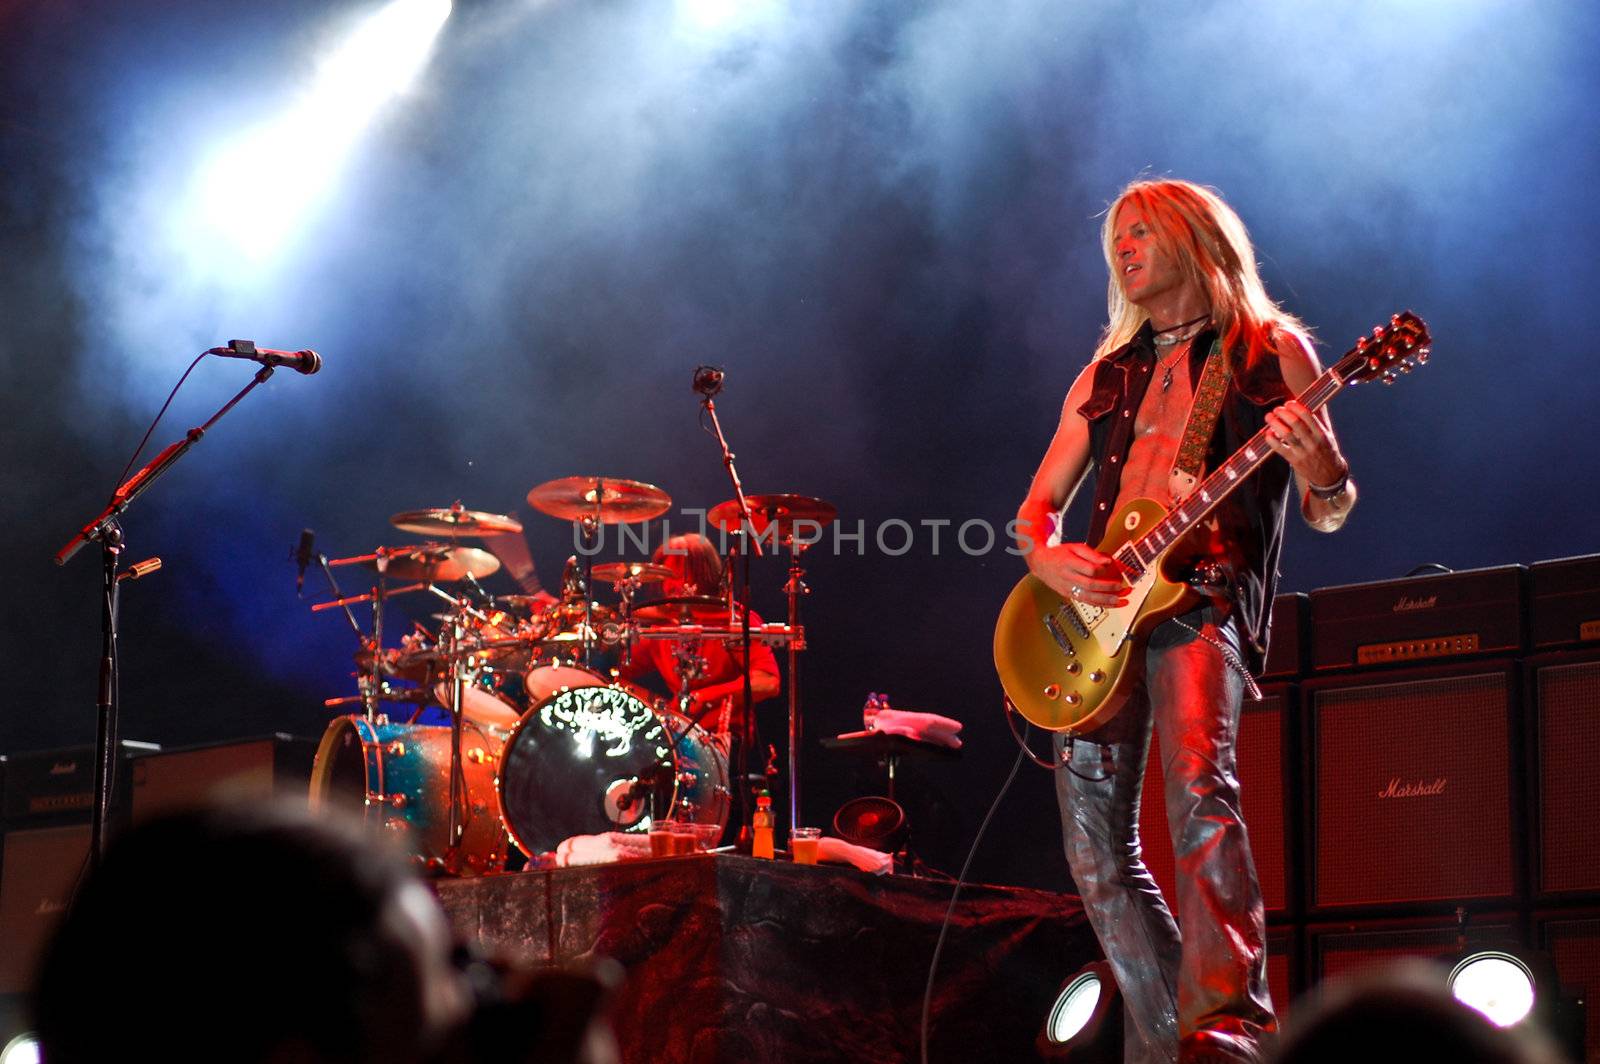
(590, 527)
(456, 627)
(712, 386)
(793, 589)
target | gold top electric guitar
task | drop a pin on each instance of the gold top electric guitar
(1067, 666)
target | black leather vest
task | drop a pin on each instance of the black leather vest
(1253, 514)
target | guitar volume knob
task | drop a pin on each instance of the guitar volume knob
(1097, 676)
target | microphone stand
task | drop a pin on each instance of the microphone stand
(708, 386)
(106, 530)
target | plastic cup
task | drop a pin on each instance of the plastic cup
(661, 832)
(803, 844)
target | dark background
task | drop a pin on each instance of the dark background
(881, 218)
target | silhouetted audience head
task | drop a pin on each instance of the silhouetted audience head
(249, 935)
(1403, 1015)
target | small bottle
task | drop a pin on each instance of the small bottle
(761, 824)
(876, 703)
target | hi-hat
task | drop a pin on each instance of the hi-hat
(454, 521)
(644, 572)
(684, 609)
(608, 500)
(433, 562)
(785, 511)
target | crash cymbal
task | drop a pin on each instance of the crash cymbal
(609, 500)
(783, 510)
(683, 609)
(644, 572)
(454, 521)
(434, 562)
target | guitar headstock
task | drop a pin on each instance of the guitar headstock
(1392, 349)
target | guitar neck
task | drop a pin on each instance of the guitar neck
(1140, 554)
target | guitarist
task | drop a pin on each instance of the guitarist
(1183, 284)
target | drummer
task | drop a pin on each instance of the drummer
(719, 689)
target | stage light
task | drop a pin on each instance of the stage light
(23, 1049)
(255, 188)
(1085, 1020)
(1497, 984)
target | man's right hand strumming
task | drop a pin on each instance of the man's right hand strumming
(1080, 572)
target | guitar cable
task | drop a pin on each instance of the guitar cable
(961, 879)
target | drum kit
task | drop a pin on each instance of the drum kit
(543, 743)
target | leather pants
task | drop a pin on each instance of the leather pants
(1201, 996)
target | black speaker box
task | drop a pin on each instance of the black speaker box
(1415, 797)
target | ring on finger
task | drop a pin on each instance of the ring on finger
(1076, 590)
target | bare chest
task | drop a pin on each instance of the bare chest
(1157, 432)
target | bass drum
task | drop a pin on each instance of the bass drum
(397, 777)
(589, 760)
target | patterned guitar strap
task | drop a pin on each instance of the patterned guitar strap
(1188, 468)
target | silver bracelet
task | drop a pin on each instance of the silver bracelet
(1334, 490)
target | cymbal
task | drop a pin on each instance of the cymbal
(683, 609)
(454, 521)
(783, 510)
(644, 572)
(434, 562)
(609, 500)
(566, 617)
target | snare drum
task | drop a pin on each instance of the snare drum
(593, 759)
(397, 776)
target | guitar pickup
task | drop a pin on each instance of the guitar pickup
(1053, 626)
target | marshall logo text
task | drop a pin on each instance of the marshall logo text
(1407, 603)
(1413, 789)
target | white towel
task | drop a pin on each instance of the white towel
(601, 849)
(925, 727)
(837, 851)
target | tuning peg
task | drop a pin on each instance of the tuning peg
(1377, 332)
(1388, 377)
(1405, 366)
(1422, 354)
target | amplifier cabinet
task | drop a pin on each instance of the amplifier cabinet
(1572, 939)
(1475, 612)
(1351, 950)
(1564, 602)
(1290, 631)
(39, 869)
(1565, 749)
(57, 786)
(1265, 757)
(247, 770)
(1414, 798)
(1283, 968)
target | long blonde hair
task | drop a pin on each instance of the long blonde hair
(1209, 242)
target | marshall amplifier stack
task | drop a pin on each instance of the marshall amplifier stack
(1426, 745)
(45, 809)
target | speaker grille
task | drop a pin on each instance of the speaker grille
(1574, 945)
(1569, 749)
(1261, 798)
(1413, 796)
(1357, 951)
(36, 881)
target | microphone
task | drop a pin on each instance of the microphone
(708, 380)
(302, 557)
(307, 362)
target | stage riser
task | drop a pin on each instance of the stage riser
(738, 960)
